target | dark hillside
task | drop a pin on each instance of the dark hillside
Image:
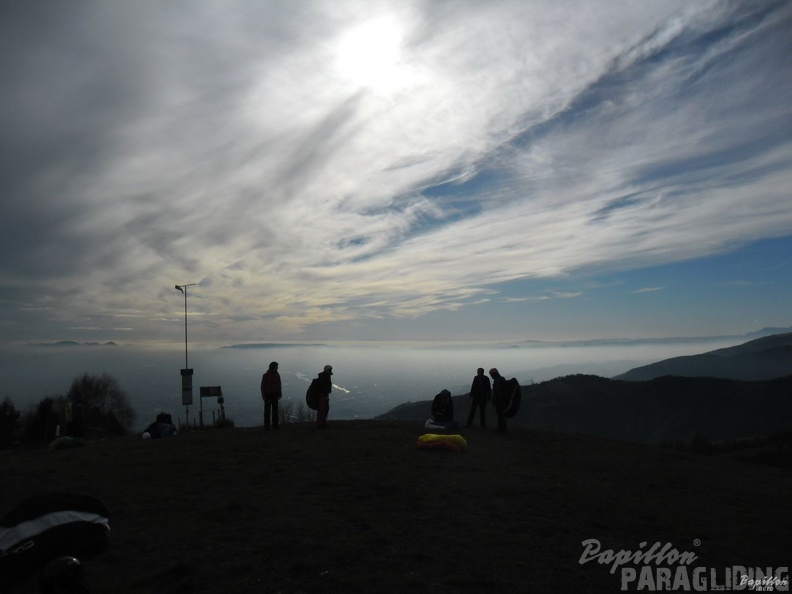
(358, 508)
(765, 343)
(764, 358)
(663, 410)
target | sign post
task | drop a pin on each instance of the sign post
(212, 392)
(187, 393)
(186, 373)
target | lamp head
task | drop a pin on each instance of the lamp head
(180, 289)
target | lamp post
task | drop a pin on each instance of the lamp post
(186, 373)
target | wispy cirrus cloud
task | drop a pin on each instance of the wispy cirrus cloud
(647, 290)
(311, 164)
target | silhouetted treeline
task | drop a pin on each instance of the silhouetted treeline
(94, 407)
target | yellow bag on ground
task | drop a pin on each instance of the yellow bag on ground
(434, 441)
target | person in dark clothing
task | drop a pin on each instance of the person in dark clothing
(498, 397)
(271, 393)
(325, 387)
(443, 409)
(480, 393)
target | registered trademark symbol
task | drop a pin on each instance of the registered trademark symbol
(696, 542)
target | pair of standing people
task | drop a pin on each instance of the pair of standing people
(272, 392)
(481, 392)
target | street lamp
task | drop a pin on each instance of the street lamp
(186, 373)
(183, 289)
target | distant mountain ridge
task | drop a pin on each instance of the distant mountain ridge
(760, 359)
(767, 331)
(270, 345)
(74, 343)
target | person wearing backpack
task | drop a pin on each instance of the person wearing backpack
(480, 393)
(325, 387)
(271, 393)
(499, 397)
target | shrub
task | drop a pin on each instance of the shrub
(225, 423)
(304, 414)
(9, 423)
(289, 413)
(285, 410)
(39, 422)
(99, 407)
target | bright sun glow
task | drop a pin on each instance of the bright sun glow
(369, 55)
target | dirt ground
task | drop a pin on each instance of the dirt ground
(358, 507)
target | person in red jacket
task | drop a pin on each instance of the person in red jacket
(271, 393)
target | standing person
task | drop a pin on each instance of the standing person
(325, 387)
(270, 394)
(498, 397)
(480, 393)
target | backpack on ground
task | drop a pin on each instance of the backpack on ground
(512, 396)
(312, 394)
(47, 526)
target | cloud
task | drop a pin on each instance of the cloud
(246, 151)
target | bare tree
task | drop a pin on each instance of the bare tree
(9, 423)
(100, 405)
(285, 411)
(304, 414)
(288, 412)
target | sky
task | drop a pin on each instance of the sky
(394, 170)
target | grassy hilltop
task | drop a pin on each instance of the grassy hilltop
(358, 508)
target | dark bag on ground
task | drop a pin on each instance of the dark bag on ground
(47, 526)
(511, 398)
(312, 394)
